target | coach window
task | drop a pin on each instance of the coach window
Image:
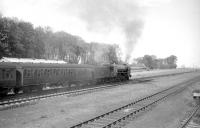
(11, 75)
(54, 71)
(7, 75)
(0, 73)
(38, 74)
(62, 71)
(65, 72)
(48, 72)
(31, 73)
(24, 72)
(51, 72)
(3, 73)
(35, 73)
(28, 73)
(41, 72)
(57, 71)
(45, 72)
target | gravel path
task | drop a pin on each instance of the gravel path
(65, 111)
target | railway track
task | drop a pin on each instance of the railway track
(120, 116)
(13, 103)
(187, 122)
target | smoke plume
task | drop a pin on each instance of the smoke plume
(132, 32)
(105, 15)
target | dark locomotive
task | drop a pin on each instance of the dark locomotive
(27, 77)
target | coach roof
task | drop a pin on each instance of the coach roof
(7, 65)
(45, 65)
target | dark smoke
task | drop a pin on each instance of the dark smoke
(133, 30)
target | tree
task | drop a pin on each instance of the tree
(4, 48)
(148, 61)
(171, 61)
(111, 55)
(153, 63)
(27, 39)
(39, 48)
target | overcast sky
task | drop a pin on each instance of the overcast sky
(159, 27)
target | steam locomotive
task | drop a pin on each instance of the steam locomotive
(27, 77)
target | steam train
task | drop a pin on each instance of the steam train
(28, 77)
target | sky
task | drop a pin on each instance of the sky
(139, 27)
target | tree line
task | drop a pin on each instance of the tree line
(152, 62)
(20, 39)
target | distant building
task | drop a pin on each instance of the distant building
(29, 60)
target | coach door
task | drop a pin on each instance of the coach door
(18, 78)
